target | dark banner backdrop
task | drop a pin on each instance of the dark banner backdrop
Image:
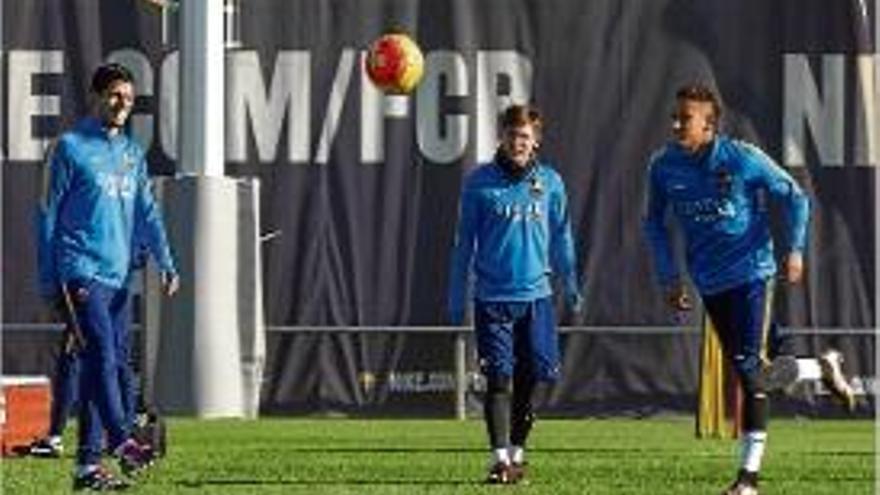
(363, 190)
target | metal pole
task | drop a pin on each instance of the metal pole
(460, 375)
(202, 96)
(2, 97)
(876, 239)
(199, 354)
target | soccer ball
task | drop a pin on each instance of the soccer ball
(395, 63)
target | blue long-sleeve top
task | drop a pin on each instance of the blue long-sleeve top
(512, 234)
(720, 198)
(97, 209)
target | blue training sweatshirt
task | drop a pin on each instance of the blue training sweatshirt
(513, 233)
(97, 210)
(720, 198)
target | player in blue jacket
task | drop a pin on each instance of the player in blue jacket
(97, 204)
(719, 190)
(513, 233)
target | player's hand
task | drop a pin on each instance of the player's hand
(170, 283)
(794, 267)
(678, 298)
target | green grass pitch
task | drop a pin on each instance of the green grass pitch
(614, 456)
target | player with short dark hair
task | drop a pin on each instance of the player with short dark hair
(109, 74)
(719, 189)
(97, 203)
(513, 233)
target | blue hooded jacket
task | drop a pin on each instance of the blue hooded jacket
(97, 208)
(721, 200)
(513, 233)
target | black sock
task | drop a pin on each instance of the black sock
(522, 416)
(756, 410)
(496, 413)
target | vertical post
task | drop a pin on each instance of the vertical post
(202, 95)
(232, 24)
(876, 387)
(877, 88)
(165, 34)
(460, 374)
(2, 98)
(198, 354)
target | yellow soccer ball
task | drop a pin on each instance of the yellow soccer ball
(395, 63)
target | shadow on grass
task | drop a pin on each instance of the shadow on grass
(465, 450)
(325, 482)
(836, 453)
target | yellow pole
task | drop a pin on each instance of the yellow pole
(711, 410)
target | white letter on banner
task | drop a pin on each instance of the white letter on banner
(493, 69)
(442, 138)
(867, 112)
(372, 119)
(24, 105)
(290, 94)
(168, 116)
(341, 81)
(139, 65)
(822, 115)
